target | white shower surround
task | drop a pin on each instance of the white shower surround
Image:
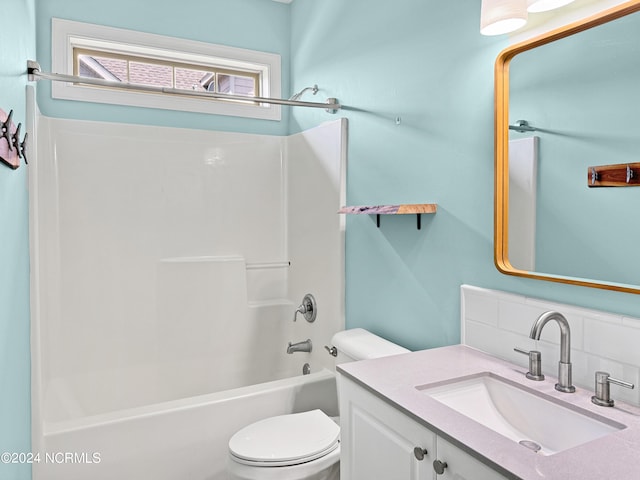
(167, 264)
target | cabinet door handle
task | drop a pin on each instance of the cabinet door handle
(439, 466)
(420, 453)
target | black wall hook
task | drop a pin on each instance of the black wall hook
(23, 148)
(15, 139)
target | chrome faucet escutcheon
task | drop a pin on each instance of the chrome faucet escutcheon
(564, 365)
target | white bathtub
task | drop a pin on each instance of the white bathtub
(179, 440)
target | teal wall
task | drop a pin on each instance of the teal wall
(423, 61)
(17, 40)
(252, 24)
(587, 110)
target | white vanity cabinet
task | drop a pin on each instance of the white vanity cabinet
(380, 442)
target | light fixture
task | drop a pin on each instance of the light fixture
(535, 6)
(503, 16)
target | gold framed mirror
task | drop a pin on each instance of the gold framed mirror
(588, 267)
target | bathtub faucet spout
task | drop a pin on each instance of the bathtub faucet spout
(300, 347)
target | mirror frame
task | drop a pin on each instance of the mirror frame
(501, 145)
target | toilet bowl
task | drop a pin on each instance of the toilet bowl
(306, 445)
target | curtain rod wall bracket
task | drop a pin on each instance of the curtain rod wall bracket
(32, 68)
(522, 126)
(332, 101)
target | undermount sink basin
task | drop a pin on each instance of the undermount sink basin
(539, 422)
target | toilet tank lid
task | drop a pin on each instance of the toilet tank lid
(360, 344)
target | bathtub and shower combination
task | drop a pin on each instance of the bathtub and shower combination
(167, 265)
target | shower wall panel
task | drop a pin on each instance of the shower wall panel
(147, 235)
(316, 191)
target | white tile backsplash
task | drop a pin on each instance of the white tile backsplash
(514, 316)
(482, 308)
(496, 322)
(613, 341)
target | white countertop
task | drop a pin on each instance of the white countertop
(395, 378)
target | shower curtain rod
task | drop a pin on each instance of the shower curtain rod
(35, 73)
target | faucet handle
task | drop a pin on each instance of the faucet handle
(535, 364)
(333, 351)
(603, 395)
(308, 309)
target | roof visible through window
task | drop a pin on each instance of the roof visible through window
(134, 69)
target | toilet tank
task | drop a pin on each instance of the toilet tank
(360, 344)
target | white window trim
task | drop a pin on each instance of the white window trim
(66, 34)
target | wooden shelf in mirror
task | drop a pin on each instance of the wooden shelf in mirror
(619, 175)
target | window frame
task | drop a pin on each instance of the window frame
(67, 35)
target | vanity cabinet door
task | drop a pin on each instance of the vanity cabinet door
(460, 465)
(378, 441)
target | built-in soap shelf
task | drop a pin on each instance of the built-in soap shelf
(263, 283)
(276, 302)
(416, 209)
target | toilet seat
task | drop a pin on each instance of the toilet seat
(285, 440)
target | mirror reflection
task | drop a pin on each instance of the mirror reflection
(581, 95)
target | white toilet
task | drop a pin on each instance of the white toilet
(301, 446)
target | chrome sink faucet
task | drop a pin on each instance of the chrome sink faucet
(564, 365)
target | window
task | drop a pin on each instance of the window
(153, 60)
(156, 73)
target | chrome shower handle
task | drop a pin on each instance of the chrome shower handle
(308, 309)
